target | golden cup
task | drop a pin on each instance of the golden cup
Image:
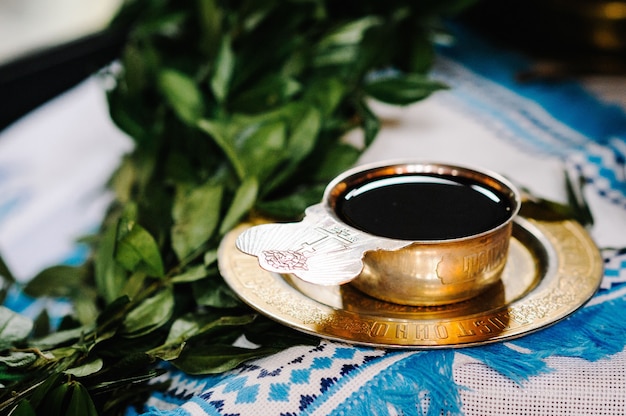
(412, 233)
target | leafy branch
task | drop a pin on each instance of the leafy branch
(234, 108)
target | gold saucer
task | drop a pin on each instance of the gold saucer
(553, 269)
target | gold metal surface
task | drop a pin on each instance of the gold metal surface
(553, 268)
(435, 274)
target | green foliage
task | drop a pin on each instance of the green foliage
(401, 89)
(56, 396)
(13, 327)
(234, 108)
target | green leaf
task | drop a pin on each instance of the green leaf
(210, 257)
(136, 250)
(8, 376)
(41, 324)
(54, 402)
(135, 284)
(168, 352)
(326, 94)
(261, 147)
(341, 47)
(162, 22)
(574, 184)
(223, 134)
(13, 327)
(129, 365)
(42, 390)
(23, 408)
(196, 214)
(120, 385)
(114, 312)
(194, 325)
(214, 293)
(292, 206)
(150, 314)
(350, 33)
(244, 200)
(215, 359)
(59, 338)
(191, 274)
(86, 369)
(182, 94)
(110, 277)
(56, 281)
(17, 359)
(268, 332)
(85, 308)
(338, 158)
(257, 12)
(421, 55)
(224, 66)
(254, 146)
(210, 18)
(337, 56)
(80, 403)
(304, 128)
(370, 123)
(184, 328)
(271, 92)
(402, 89)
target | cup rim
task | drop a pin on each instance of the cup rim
(359, 174)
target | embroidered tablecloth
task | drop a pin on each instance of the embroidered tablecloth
(532, 133)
